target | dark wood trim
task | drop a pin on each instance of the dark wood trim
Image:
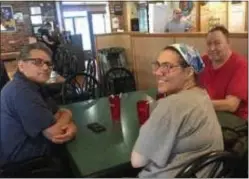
(198, 16)
(186, 35)
(9, 56)
(90, 8)
(246, 16)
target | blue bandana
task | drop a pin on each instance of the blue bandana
(190, 55)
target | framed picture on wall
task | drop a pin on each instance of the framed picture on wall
(8, 23)
(186, 7)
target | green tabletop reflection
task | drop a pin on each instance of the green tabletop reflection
(95, 152)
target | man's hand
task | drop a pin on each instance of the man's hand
(63, 117)
(57, 115)
(63, 126)
(69, 133)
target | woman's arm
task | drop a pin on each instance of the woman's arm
(138, 160)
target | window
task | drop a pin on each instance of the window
(36, 18)
(74, 13)
(35, 10)
(69, 25)
(98, 21)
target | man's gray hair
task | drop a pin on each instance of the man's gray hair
(25, 51)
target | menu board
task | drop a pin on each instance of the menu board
(236, 16)
(213, 13)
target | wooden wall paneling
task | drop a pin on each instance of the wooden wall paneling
(240, 45)
(145, 51)
(142, 49)
(198, 42)
(198, 16)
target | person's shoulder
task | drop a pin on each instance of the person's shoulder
(177, 98)
(9, 88)
(9, 92)
(187, 97)
(240, 59)
(181, 104)
(205, 59)
(15, 88)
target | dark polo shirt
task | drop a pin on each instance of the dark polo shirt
(26, 110)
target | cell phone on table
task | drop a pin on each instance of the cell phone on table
(96, 127)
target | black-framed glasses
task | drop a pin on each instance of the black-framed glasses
(164, 66)
(40, 62)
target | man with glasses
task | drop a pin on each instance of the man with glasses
(177, 24)
(31, 123)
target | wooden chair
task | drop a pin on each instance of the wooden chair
(80, 87)
(223, 165)
(119, 80)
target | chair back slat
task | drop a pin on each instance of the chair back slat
(119, 80)
(79, 87)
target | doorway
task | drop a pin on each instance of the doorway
(87, 24)
(77, 23)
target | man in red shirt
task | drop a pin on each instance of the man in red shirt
(225, 74)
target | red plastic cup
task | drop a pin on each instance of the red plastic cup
(160, 95)
(143, 111)
(115, 107)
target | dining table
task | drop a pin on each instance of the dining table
(96, 155)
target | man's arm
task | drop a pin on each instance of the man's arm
(64, 128)
(230, 104)
(236, 91)
(36, 118)
(70, 131)
(58, 134)
(63, 116)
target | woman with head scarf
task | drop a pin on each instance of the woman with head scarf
(184, 125)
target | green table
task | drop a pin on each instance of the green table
(93, 153)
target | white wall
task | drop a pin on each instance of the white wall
(159, 15)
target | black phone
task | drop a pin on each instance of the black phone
(96, 127)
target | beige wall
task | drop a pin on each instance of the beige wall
(145, 51)
(142, 49)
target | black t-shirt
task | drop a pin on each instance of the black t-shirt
(50, 38)
(4, 78)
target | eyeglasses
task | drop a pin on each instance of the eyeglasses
(166, 67)
(40, 62)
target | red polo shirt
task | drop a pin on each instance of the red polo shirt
(230, 79)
